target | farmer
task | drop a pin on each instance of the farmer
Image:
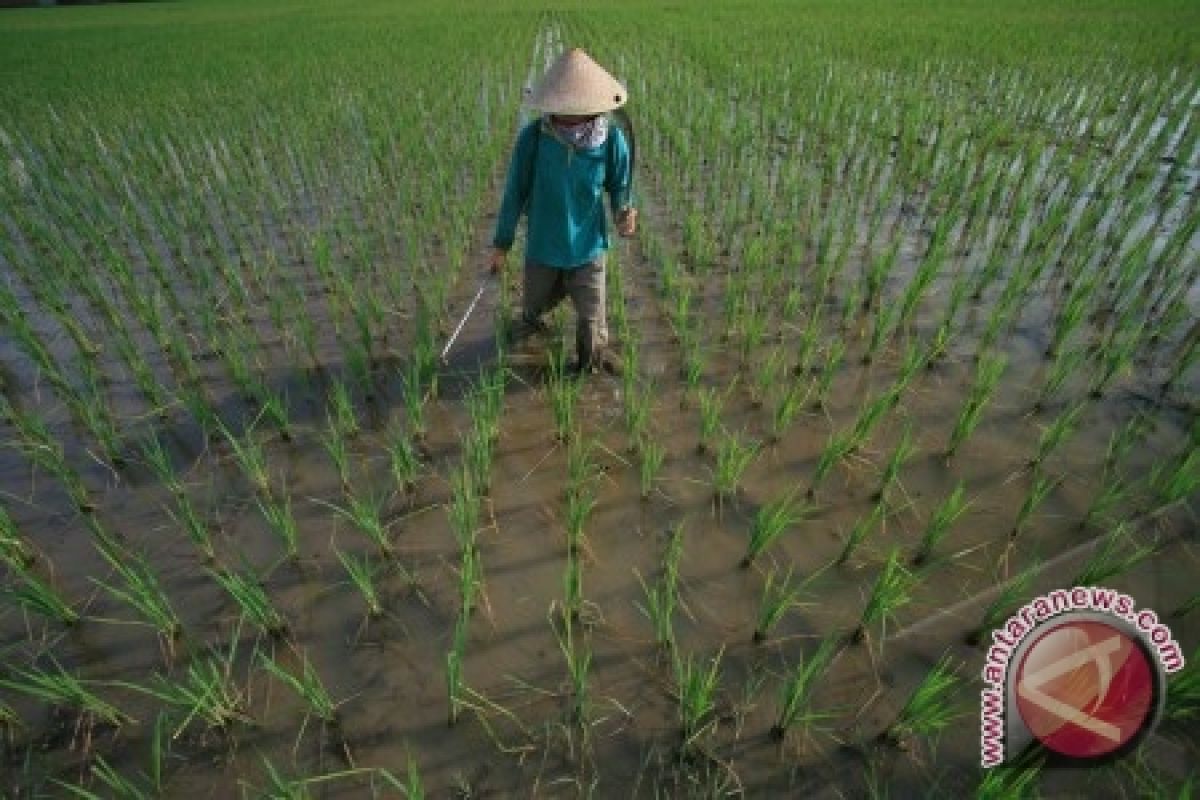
(562, 165)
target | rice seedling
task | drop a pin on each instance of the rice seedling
(282, 522)
(36, 595)
(365, 511)
(799, 690)
(863, 528)
(696, 687)
(661, 600)
(1053, 436)
(186, 516)
(891, 471)
(361, 572)
(1010, 597)
(118, 785)
(564, 398)
(711, 405)
(929, 709)
(638, 405)
(159, 461)
(335, 444)
(248, 454)
(833, 363)
(891, 591)
(141, 588)
(940, 523)
(404, 460)
(650, 461)
(1066, 364)
(340, 410)
(307, 685)
(578, 655)
(57, 687)
(1117, 553)
(454, 664)
(780, 595)
(987, 377)
(464, 507)
(733, 458)
(772, 520)
(14, 551)
(766, 376)
(470, 577)
(46, 452)
(252, 601)
(1040, 487)
(788, 407)
(205, 690)
(1176, 479)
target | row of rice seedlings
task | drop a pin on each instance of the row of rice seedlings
(799, 690)
(663, 597)
(771, 521)
(930, 708)
(696, 686)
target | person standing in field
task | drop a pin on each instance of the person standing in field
(562, 165)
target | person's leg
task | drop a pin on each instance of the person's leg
(544, 288)
(586, 286)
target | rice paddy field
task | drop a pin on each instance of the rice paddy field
(911, 333)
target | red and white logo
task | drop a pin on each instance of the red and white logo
(1085, 688)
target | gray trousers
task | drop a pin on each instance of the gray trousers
(546, 286)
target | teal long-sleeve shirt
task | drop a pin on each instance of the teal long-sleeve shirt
(561, 189)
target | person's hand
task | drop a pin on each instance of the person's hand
(496, 262)
(627, 222)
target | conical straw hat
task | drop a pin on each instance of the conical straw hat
(575, 84)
